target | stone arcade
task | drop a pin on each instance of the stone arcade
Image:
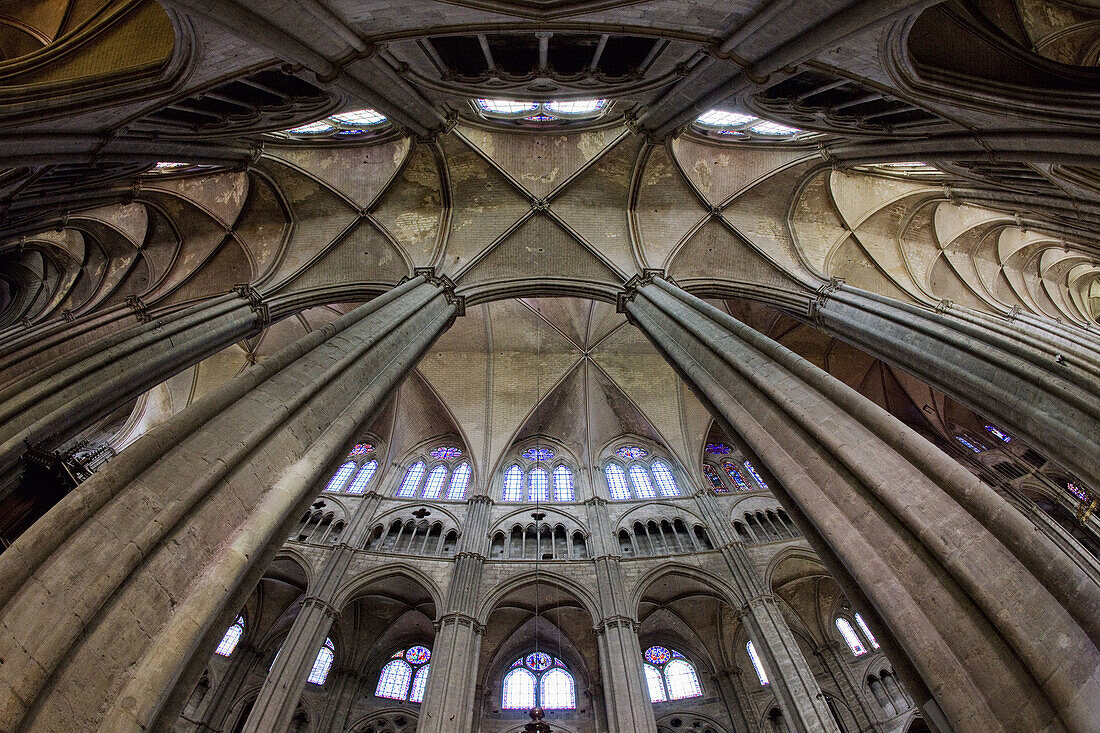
(666, 365)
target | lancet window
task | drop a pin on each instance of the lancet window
(534, 477)
(669, 675)
(355, 474)
(757, 664)
(322, 664)
(852, 637)
(442, 474)
(541, 680)
(405, 676)
(643, 476)
(231, 638)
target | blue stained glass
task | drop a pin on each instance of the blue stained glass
(519, 690)
(538, 661)
(359, 485)
(232, 636)
(616, 482)
(393, 683)
(460, 479)
(420, 683)
(557, 691)
(418, 655)
(412, 480)
(666, 482)
(563, 484)
(681, 680)
(513, 484)
(999, 434)
(433, 487)
(538, 485)
(735, 476)
(538, 454)
(754, 474)
(718, 449)
(322, 664)
(445, 453)
(715, 480)
(977, 448)
(643, 488)
(342, 474)
(657, 655)
(631, 452)
(361, 449)
(1077, 491)
(655, 683)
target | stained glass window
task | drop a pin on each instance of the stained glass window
(1000, 435)
(721, 118)
(850, 637)
(755, 475)
(506, 106)
(538, 454)
(394, 681)
(538, 661)
(540, 112)
(556, 690)
(361, 449)
(972, 445)
(411, 481)
(773, 128)
(519, 690)
(1077, 491)
(643, 488)
(735, 476)
(563, 484)
(322, 664)
(583, 106)
(866, 631)
(666, 482)
(539, 679)
(433, 487)
(757, 665)
(718, 449)
(445, 453)
(359, 485)
(655, 683)
(669, 675)
(513, 484)
(342, 474)
(460, 479)
(715, 480)
(631, 452)
(406, 675)
(681, 679)
(232, 636)
(538, 485)
(738, 124)
(420, 683)
(616, 481)
(341, 125)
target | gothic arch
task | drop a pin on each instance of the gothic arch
(393, 571)
(492, 598)
(722, 589)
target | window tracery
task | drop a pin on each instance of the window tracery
(541, 113)
(669, 675)
(405, 676)
(646, 478)
(538, 679)
(361, 464)
(543, 481)
(421, 482)
(741, 126)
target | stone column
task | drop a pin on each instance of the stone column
(123, 589)
(731, 681)
(244, 657)
(344, 683)
(1037, 381)
(836, 664)
(67, 394)
(795, 686)
(625, 691)
(950, 567)
(286, 680)
(450, 696)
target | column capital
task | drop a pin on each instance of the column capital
(822, 297)
(459, 619)
(630, 287)
(322, 605)
(467, 553)
(615, 622)
(256, 302)
(428, 273)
